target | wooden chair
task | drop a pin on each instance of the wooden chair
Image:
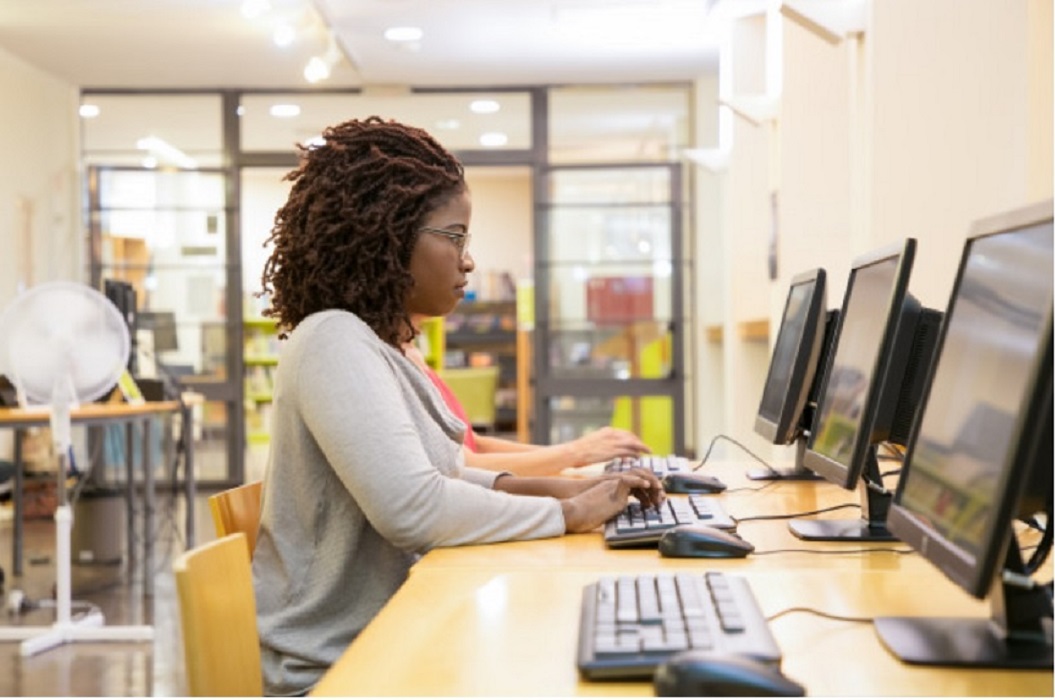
(238, 510)
(221, 643)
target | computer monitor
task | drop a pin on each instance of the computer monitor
(162, 324)
(785, 408)
(981, 453)
(872, 381)
(123, 296)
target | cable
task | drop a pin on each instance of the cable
(714, 440)
(786, 516)
(820, 613)
(889, 550)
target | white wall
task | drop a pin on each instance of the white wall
(940, 113)
(502, 224)
(39, 223)
(40, 227)
(951, 138)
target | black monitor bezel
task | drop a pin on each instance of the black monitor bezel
(975, 576)
(784, 428)
(848, 475)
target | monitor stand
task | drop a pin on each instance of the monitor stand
(1017, 635)
(870, 527)
(798, 472)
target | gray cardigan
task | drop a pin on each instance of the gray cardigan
(365, 474)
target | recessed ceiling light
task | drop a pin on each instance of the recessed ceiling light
(88, 111)
(316, 70)
(484, 106)
(448, 124)
(402, 34)
(493, 139)
(283, 34)
(285, 110)
(251, 9)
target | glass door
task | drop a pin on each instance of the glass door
(610, 304)
(164, 232)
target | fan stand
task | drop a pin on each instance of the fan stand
(91, 627)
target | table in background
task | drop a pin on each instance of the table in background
(101, 414)
(503, 619)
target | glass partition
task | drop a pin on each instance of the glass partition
(618, 123)
(459, 120)
(152, 130)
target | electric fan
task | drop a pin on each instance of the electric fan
(63, 343)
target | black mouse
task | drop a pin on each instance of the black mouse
(691, 482)
(703, 541)
(716, 674)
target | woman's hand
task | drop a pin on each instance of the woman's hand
(603, 445)
(607, 496)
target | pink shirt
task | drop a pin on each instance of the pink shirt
(455, 405)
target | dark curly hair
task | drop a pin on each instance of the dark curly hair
(343, 238)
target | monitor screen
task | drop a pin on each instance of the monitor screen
(163, 326)
(794, 360)
(984, 435)
(873, 378)
(849, 400)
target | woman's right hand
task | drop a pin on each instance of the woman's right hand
(608, 497)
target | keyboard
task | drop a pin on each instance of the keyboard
(640, 527)
(661, 465)
(631, 624)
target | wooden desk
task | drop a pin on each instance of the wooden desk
(743, 499)
(503, 619)
(99, 414)
(469, 632)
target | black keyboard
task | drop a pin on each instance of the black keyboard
(661, 465)
(631, 624)
(640, 527)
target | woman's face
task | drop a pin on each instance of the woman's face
(439, 268)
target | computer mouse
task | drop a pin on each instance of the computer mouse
(691, 482)
(714, 674)
(703, 541)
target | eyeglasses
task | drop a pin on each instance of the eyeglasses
(459, 239)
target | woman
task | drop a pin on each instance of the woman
(366, 470)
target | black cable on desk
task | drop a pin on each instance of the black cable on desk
(889, 550)
(820, 613)
(788, 516)
(739, 444)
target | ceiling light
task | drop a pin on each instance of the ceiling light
(493, 139)
(315, 142)
(283, 34)
(88, 111)
(251, 9)
(316, 70)
(404, 34)
(484, 106)
(319, 67)
(448, 124)
(284, 111)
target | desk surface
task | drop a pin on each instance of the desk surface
(89, 412)
(503, 619)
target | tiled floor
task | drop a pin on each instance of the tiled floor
(94, 668)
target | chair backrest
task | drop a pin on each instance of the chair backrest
(238, 510)
(475, 388)
(221, 643)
